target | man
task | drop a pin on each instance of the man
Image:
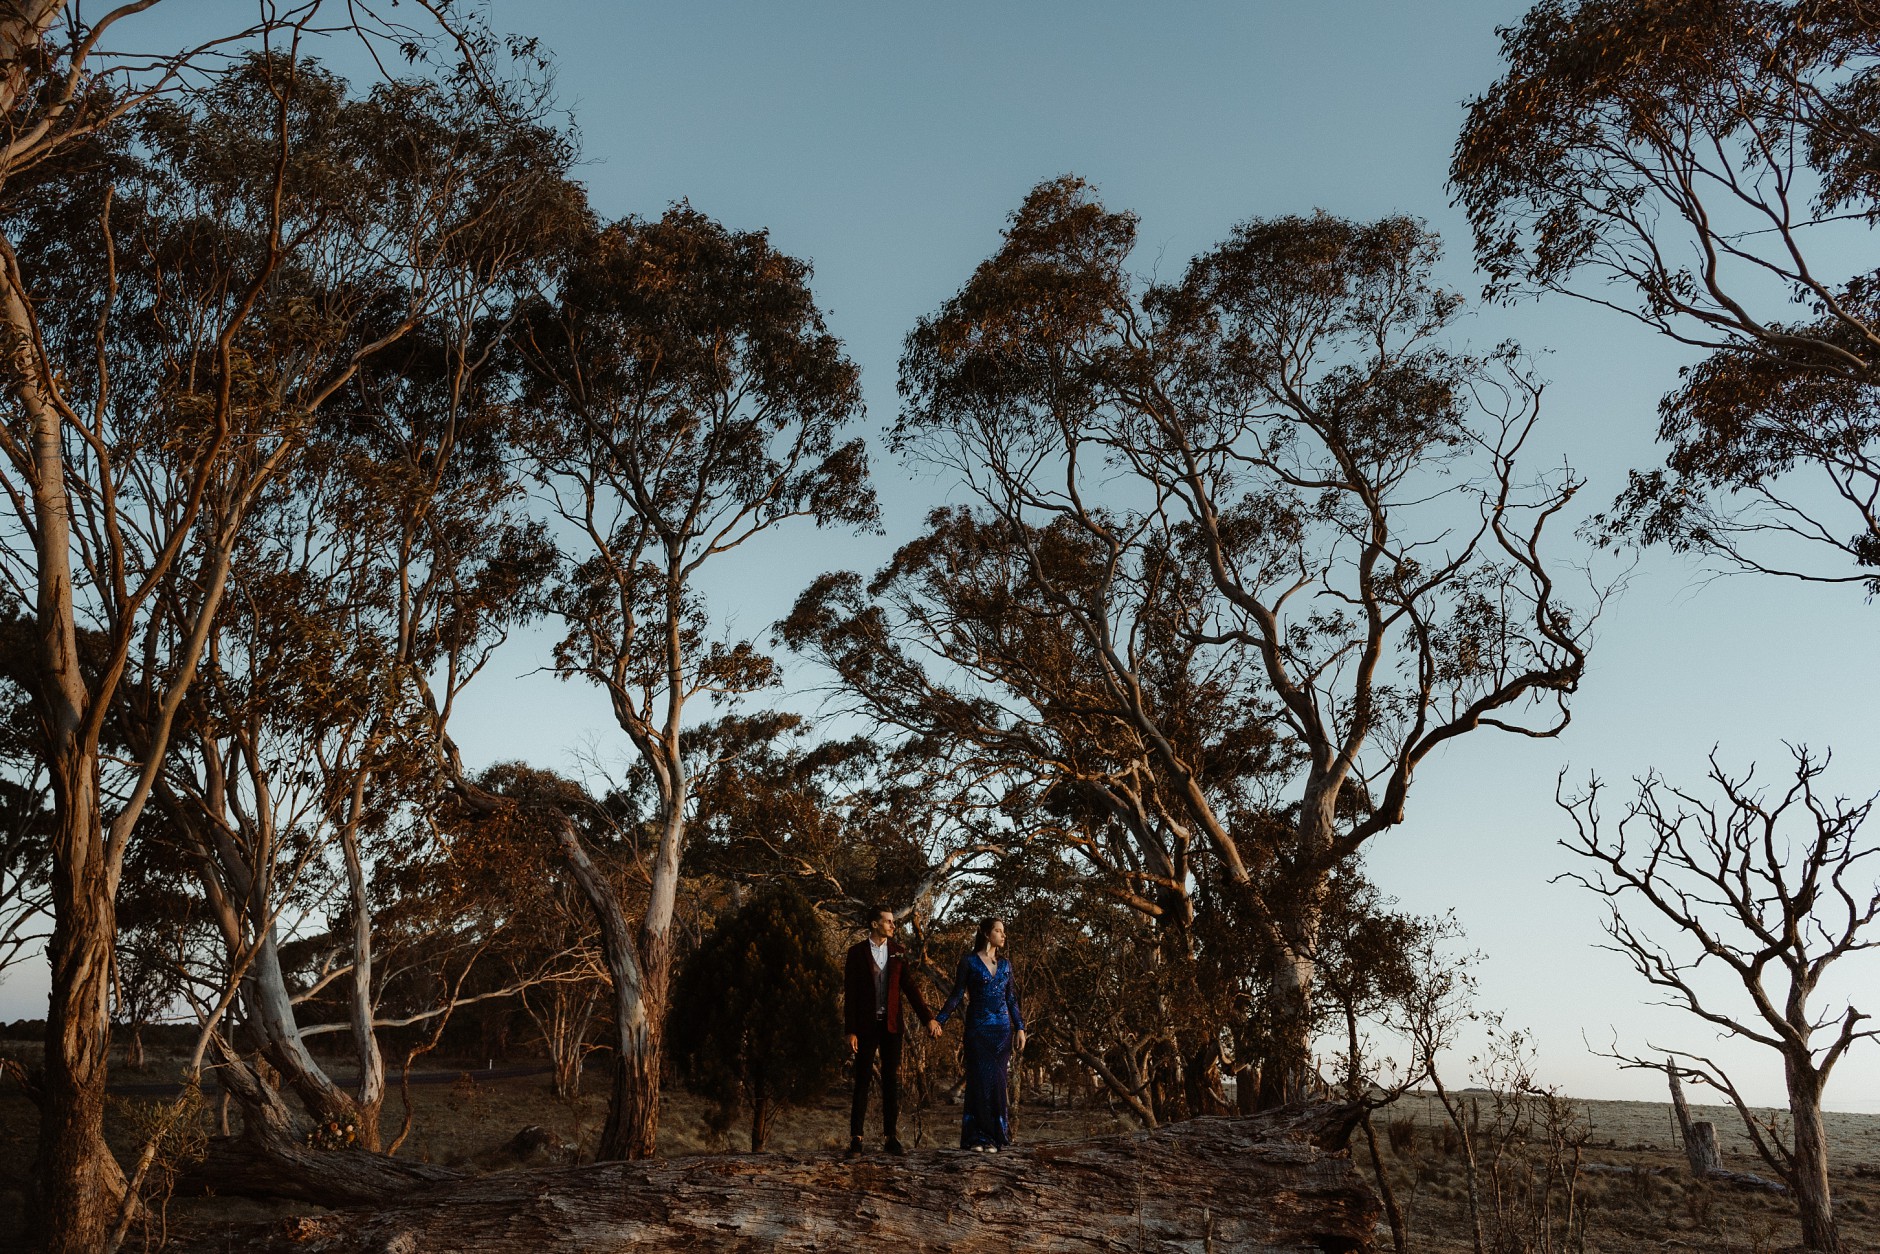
(875, 984)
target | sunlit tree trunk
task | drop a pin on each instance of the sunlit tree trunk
(639, 1117)
(369, 1097)
(73, 1156)
(72, 1150)
(1808, 1171)
(244, 918)
(1287, 1074)
(633, 1039)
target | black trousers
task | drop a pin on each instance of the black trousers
(875, 1040)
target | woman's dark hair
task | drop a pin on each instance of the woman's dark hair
(984, 934)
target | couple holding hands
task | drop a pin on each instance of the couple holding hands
(876, 986)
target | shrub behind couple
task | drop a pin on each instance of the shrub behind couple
(877, 986)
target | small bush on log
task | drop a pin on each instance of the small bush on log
(754, 1018)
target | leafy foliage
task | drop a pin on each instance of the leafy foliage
(755, 1015)
(1700, 166)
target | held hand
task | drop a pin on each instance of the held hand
(934, 1029)
(854, 1044)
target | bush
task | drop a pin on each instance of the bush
(755, 1018)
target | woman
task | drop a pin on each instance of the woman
(994, 1025)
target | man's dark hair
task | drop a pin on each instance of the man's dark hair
(880, 909)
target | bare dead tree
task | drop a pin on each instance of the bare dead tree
(1770, 888)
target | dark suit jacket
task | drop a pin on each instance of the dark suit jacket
(858, 989)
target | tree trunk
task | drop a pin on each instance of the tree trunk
(567, 1078)
(635, 1115)
(633, 1102)
(1706, 1158)
(239, 896)
(271, 1019)
(637, 1105)
(23, 27)
(1201, 1080)
(1700, 1139)
(74, 1161)
(1246, 1087)
(567, 1052)
(1275, 1184)
(763, 1115)
(1399, 1234)
(564, 1026)
(1286, 1075)
(369, 1097)
(1808, 1169)
(627, 1133)
(342, 1177)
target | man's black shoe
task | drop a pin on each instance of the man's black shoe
(894, 1147)
(855, 1147)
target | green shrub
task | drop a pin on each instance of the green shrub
(755, 1017)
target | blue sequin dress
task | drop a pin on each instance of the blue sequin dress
(992, 1017)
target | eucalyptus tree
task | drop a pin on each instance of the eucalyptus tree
(117, 434)
(372, 581)
(1705, 168)
(1286, 418)
(691, 400)
(1061, 713)
(544, 948)
(975, 642)
(777, 802)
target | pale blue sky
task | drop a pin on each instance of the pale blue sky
(886, 142)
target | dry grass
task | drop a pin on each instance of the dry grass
(1641, 1200)
(1635, 1189)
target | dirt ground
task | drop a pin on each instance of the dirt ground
(466, 1122)
(1632, 1194)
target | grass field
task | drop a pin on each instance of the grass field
(1633, 1192)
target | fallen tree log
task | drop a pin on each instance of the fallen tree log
(270, 1160)
(1277, 1183)
(239, 1167)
